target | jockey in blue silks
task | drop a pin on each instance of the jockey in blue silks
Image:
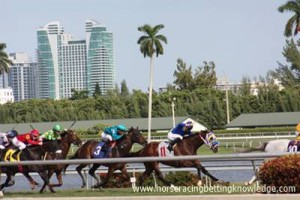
(176, 134)
(112, 133)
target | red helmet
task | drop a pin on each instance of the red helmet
(35, 132)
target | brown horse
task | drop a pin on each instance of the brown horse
(121, 148)
(68, 137)
(187, 146)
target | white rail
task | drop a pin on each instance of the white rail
(206, 158)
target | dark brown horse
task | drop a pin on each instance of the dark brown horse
(121, 148)
(29, 153)
(187, 146)
(68, 137)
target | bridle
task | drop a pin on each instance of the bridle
(207, 140)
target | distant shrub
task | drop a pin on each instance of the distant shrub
(282, 171)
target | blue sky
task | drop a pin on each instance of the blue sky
(242, 38)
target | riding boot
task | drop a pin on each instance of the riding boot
(172, 143)
(16, 152)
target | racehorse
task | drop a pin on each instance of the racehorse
(187, 146)
(272, 146)
(68, 137)
(27, 154)
(122, 147)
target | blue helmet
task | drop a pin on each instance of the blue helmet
(121, 127)
(12, 133)
(189, 125)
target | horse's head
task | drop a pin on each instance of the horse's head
(71, 137)
(136, 136)
(210, 139)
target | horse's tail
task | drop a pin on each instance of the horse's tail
(251, 149)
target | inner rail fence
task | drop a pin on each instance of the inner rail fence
(202, 158)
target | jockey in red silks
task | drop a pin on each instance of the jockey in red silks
(32, 138)
(176, 134)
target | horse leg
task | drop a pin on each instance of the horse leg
(50, 172)
(124, 172)
(59, 179)
(43, 174)
(32, 182)
(92, 173)
(8, 182)
(79, 171)
(146, 174)
(201, 168)
(253, 179)
(160, 175)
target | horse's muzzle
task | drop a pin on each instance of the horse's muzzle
(215, 146)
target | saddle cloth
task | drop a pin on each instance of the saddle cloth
(294, 146)
(9, 157)
(163, 150)
(98, 153)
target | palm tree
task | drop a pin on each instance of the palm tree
(150, 43)
(4, 60)
(294, 21)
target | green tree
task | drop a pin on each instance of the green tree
(79, 94)
(293, 24)
(151, 44)
(97, 90)
(205, 76)
(4, 60)
(289, 75)
(183, 76)
(124, 89)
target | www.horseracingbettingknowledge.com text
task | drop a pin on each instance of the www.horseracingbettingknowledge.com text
(215, 189)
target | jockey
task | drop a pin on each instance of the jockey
(112, 133)
(31, 138)
(3, 141)
(12, 138)
(53, 135)
(176, 134)
(297, 132)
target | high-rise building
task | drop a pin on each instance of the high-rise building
(22, 76)
(65, 63)
(6, 95)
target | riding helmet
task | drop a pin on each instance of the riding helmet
(121, 127)
(35, 133)
(189, 125)
(57, 128)
(12, 133)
